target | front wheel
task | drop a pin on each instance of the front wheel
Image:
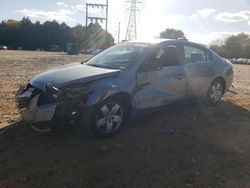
(107, 119)
(215, 92)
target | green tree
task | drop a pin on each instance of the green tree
(172, 34)
(219, 50)
(79, 36)
(235, 46)
(98, 38)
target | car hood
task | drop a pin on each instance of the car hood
(75, 74)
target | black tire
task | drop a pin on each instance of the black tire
(41, 127)
(215, 92)
(107, 119)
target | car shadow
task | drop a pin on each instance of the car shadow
(189, 144)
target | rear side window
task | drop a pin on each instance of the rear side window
(194, 55)
(209, 56)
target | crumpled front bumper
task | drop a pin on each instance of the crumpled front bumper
(39, 114)
(30, 111)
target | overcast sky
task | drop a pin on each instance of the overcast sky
(201, 20)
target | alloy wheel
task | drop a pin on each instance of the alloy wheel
(109, 117)
(216, 92)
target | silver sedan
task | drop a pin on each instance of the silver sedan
(123, 79)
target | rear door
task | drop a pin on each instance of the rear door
(198, 69)
(161, 78)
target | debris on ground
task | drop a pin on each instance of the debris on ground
(104, 148)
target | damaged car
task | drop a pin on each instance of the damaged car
(104, 91)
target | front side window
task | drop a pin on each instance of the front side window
(193, 55)
(164, 56)
(119, 56)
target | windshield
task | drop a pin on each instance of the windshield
(119, 56)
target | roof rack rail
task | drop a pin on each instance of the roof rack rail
(183, 39)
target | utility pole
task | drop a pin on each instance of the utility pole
(131, 33)
(107, 9)
(119, 31)
(96, 18)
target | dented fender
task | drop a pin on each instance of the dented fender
(103, 89)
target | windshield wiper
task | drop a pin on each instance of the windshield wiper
(83, 62)
(103, 66)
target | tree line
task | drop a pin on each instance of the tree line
(49, 35)
(235, 46)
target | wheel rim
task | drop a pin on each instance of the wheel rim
(216, 92)
(109, 118)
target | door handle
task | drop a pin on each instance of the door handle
(179, 76)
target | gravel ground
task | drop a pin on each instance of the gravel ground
(191, 146)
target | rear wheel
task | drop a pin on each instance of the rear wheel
(107, 119)
(215, 92)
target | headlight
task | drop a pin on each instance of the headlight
(73, 91)
(50, 89)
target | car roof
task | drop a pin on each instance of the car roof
(159, 41)
(149, 41)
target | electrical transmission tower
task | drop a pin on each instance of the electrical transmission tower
(96, 18)
(131, 33)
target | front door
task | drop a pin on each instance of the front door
(160, 79)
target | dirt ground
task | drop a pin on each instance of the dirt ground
(191, 146)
